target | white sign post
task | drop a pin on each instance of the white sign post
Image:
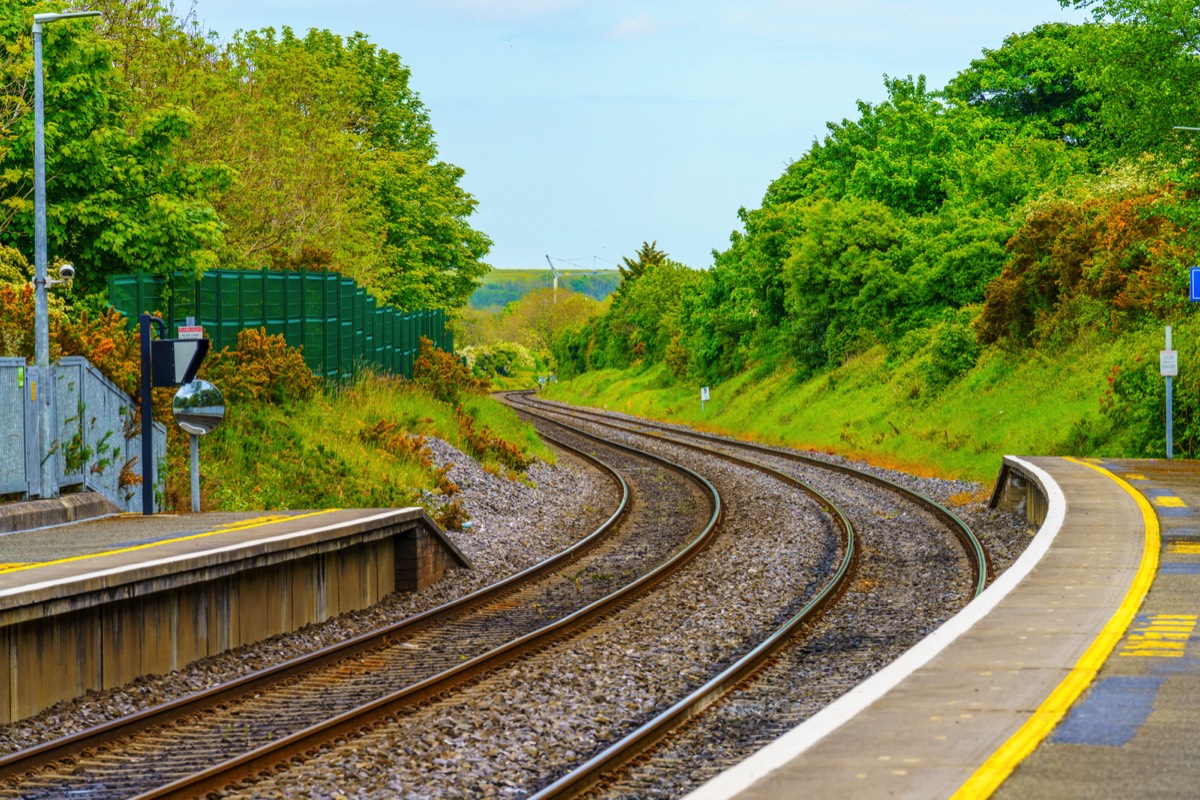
(1168, 367)
(703, 398)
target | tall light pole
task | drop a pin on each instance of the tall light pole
(41, 284)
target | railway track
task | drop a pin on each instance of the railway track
(511, 733)
(975, 551)
(755, 699)
(495, 711)
(266, 718)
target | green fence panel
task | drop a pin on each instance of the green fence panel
(328, 287)
(339, 326)
(368, 329)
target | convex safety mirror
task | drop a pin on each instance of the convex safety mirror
(198, 407)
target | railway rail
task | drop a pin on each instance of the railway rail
(975, 551)
(503, 621)
(805, 604)
(762, 678)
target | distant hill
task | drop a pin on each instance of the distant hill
(502, 286)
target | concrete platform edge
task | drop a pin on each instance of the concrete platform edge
(733, 781)
(28, 515)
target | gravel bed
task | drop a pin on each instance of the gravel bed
(1005, 535)
(559, 505)
(523, 726)
(515, 731)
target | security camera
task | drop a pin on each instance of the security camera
(66, 272)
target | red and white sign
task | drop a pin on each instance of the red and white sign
(191, 331)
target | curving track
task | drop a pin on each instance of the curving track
(539, 702)
(788, 680)
(286, 709)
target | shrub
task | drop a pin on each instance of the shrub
(444, 376)
(953, 349)
(262, 369)
(483, 444)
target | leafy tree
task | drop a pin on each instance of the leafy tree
(118, 198)
(277, 150)
(648, 255)
(643, 320)
(537, 318)
(844, 285)
(1035, 83)
(1142, 62)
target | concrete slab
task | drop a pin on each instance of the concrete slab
(930, 732)
(129, 595)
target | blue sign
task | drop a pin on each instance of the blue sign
(1195, 290)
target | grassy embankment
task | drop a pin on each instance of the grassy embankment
(358, 446)
(1024, 402)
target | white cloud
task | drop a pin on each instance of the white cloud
(637, 27)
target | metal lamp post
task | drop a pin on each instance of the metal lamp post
(41, 283)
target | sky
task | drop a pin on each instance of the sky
(586, 127)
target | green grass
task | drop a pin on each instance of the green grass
(313, 454)
(1021, 403)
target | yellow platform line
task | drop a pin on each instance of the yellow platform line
(1169, 502)
(240, 525)
(999, 766)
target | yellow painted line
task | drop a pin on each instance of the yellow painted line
(1161, 636)
(14, 566)
(1169, 502)
(999, 766)
(1133, 476)
(240, 525)
(1184, 548)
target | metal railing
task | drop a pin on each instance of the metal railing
(96, 441)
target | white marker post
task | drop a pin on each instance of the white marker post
(1168, 367)
(703, 398)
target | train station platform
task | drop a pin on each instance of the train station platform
(96, 603)
(1076, 674)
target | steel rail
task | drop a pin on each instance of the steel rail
(615, 756)
(303, 743)
(977, 555)
(23, 761)
(591, 771)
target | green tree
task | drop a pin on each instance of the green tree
(631, 269)
(118, 197)
(1142, 63)
(1035, 82)
(326, 152)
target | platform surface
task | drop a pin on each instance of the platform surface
(934, 728)
(64, 559)
(1136, 731)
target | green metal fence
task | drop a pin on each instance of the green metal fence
(339, 325)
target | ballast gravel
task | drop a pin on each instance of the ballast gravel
(513, 525)
(517, 730)
(501, 739)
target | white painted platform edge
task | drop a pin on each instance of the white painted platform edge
(116, 571)
(787, 747)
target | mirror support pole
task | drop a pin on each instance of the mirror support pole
(194, 446)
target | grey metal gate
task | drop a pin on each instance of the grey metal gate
(96, 442)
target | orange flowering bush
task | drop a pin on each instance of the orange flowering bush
(16, 320)
(1124, 255)
(263, 369)
(105, 340)
(444, 375)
